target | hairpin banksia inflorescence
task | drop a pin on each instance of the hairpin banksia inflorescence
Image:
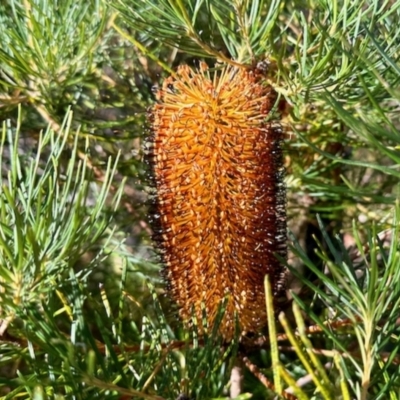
(220, 199)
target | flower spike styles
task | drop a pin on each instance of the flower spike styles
(220, 199)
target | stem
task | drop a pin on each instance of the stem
(236, 379)
(142, 48)
(243, 26)
(191, 32)
(368, 360)
(217, 54)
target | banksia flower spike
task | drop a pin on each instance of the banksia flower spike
(220, 200)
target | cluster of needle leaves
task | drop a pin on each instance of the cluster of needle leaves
(83, 311)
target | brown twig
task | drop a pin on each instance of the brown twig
(247, 344)
(264, 380)
(262, 341)
(304, 380)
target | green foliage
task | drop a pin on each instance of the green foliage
(47, 221)
(47, 49)
(204, 28)
(83, 312)
(361, 294)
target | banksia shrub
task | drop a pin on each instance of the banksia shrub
(220, 200)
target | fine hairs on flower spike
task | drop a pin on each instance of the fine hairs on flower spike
(220, 214)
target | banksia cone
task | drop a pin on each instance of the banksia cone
(220, 199)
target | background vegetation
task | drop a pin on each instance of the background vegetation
(83, 310)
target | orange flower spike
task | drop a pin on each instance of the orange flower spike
(220, 199)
